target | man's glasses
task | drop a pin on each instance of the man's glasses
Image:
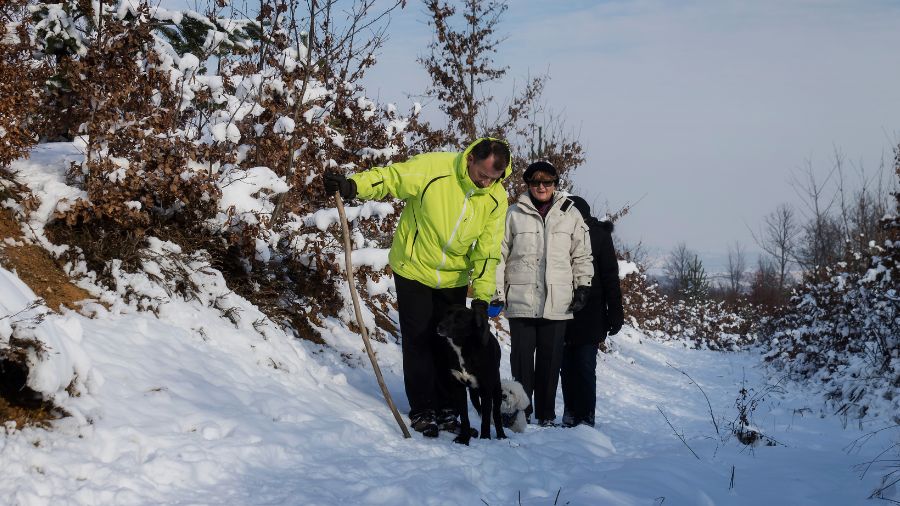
(546, 184)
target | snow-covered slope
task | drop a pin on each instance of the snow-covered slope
(194, 410)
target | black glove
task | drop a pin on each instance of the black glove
(480, 308)
(579, 299)
(335, 182)
(616, 318)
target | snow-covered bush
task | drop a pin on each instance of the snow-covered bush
(212, 132)
(20, 79)
(705, 324)
(140, 169)
(844, 332)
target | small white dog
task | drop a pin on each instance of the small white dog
(513, 404)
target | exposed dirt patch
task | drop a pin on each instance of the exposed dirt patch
(20, 404)
(37, 268)
(40, 271)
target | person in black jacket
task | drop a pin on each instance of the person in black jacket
(603, 314)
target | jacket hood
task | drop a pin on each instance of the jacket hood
(585, 210)
(604, 224)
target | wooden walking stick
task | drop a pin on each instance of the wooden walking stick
(359, 319)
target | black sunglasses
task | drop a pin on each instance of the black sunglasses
(546, 184)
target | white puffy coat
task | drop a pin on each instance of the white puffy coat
(543, 259)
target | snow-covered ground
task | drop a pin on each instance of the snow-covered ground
(191, 407)
(192, 410)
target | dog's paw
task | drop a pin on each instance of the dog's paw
(461, 439)
(501, 435)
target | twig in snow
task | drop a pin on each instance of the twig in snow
(708, 404)
(886, 485)
(34, 304)
(680, 436)
(889, 480)
(877, 459)
(861, 440)
(555, 501)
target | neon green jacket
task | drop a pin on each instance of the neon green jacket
(450, 230)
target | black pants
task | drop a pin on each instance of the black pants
(579, 383)
(426, 370)
(535, 359)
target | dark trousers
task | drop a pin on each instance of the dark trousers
(579, 383)
(426, 370)
(535, 359)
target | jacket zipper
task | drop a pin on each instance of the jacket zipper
(544, 259)
(452, 235)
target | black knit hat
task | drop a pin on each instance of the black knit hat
(541, 166)
(581, 205)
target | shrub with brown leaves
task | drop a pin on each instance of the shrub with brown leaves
(704, 324)
(21, 85)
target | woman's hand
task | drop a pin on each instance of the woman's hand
(579, 299)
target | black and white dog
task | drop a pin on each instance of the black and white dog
(478, 368)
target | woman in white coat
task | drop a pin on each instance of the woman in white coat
(545, 275)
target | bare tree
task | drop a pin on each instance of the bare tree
(737, 267)
(544, 135)
(821, 241)
(633, 252)
(862, 207)
(461, 66)
(778, 237)
(677, 267)
(460, 61)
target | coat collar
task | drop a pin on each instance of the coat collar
(524, 201)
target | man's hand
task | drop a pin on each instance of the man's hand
(335, 182)
(579, 299)
(480, 308)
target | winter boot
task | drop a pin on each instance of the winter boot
(448, 421)
(425, 423)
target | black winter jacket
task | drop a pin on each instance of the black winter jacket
(604, 308)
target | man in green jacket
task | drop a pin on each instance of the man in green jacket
(448, 235)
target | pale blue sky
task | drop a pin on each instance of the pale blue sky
(704, 106)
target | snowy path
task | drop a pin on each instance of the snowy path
(192, 411)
